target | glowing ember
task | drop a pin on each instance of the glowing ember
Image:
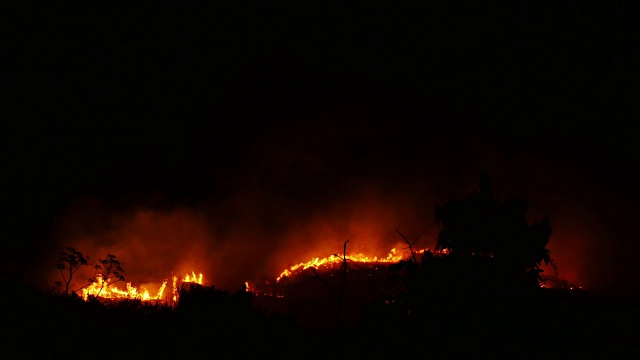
(554, 282)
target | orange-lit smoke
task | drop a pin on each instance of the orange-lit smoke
(231, 248)
(254, 231)
(151, 246)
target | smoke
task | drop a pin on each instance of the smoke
(253, 234)
(151, 245)
(301, 190)
(247, 237)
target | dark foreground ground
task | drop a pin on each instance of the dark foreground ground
(209, 323)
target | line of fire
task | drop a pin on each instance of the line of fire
(104, 289)
(356, 264)
(483, 244)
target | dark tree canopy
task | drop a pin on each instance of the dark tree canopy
(69, 262)
(480, 226)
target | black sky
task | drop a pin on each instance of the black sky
(260, 116)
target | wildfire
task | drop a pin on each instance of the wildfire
(275, 288)
(102, 288)
(186, 279)
(392, 257)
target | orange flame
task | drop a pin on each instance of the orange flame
(186, 279)
(103, 289)
(270, 288)
(392, 257)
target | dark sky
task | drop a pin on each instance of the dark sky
(252, 132)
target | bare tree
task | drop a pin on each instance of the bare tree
(410, 245)
(106, 269)
(342, 286)
(69, 262)
(339, 297)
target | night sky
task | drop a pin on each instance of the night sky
(243, 137)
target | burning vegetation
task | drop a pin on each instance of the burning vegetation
(109, 271)
(484, 270)
(481, 240)
(104, 286)
(334, 259)
(332, 263)
(105, 289)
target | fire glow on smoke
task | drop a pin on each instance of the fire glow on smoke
(151, 243)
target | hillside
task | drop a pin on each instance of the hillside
(375, 321)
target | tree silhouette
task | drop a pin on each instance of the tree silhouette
(481, 229)
(69, 262)
(107, 268)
